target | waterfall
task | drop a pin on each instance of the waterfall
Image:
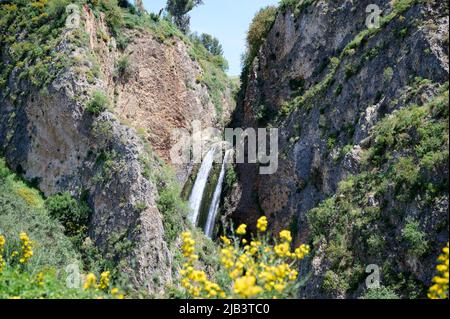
(195, 199)
(214, 207)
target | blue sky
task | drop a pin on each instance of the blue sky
(228, 20)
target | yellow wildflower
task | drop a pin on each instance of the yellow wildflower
(282, 250)
(104, 280)
(254, 247)
(242, 229)
(301, 251)
(40, 279)
(255, 269)
(440, 288)
(246, 287)
(114, 291)
(2, 245)
(90, 282)
(286, 235)
(261, 224)
(27, 251)
(225, 240)
(188, 246)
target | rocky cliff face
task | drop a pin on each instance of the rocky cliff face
(334, 88)
(48, 135)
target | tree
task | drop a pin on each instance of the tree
(211, 43)
(179, 10)
(139, 5)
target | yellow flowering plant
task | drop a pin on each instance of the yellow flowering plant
(90, 283)
(261, 268)
(26, 248)
(17, 279)
(439, 289)
(2, 248)
(21, 253)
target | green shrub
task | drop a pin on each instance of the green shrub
(113, 14)
(74, 216)
(56, 8)
(415, 238)
(98, 103)
(349, 219)
(17, 215)
(334, 283)
(375, 244)
(406, 172)
(388, 73)
(170, 204)
(259, 28)
(4, 171)
(123, 66)
(380, 293)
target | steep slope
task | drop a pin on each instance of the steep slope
(362, 116)
(77, 103)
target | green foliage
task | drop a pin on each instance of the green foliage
(208, 48)
(388, 74)
(296, 5)
(259, 28)
(99, 102)
(333, 282)
(44, 275)
(213, 76)
(47, 284)
(380, 293)
(74, 216)
(123, 66)
(415, 238)
(230, 177)
(353, 220)
(113, 14)
(179, 10)
(170, 204)
(375, 244)
(39, 25)
(331, 143)
(211, 44)
(307, 99)
(19, 214)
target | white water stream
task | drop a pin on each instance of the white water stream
(195, 199)
(214, 207)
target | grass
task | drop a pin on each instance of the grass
(56, 227)
(22, 210)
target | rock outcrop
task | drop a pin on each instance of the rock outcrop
(325, 80)
(48, 135)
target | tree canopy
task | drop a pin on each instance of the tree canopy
(179, 10)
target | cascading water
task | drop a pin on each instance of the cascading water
(195, 199)
(214, 207)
